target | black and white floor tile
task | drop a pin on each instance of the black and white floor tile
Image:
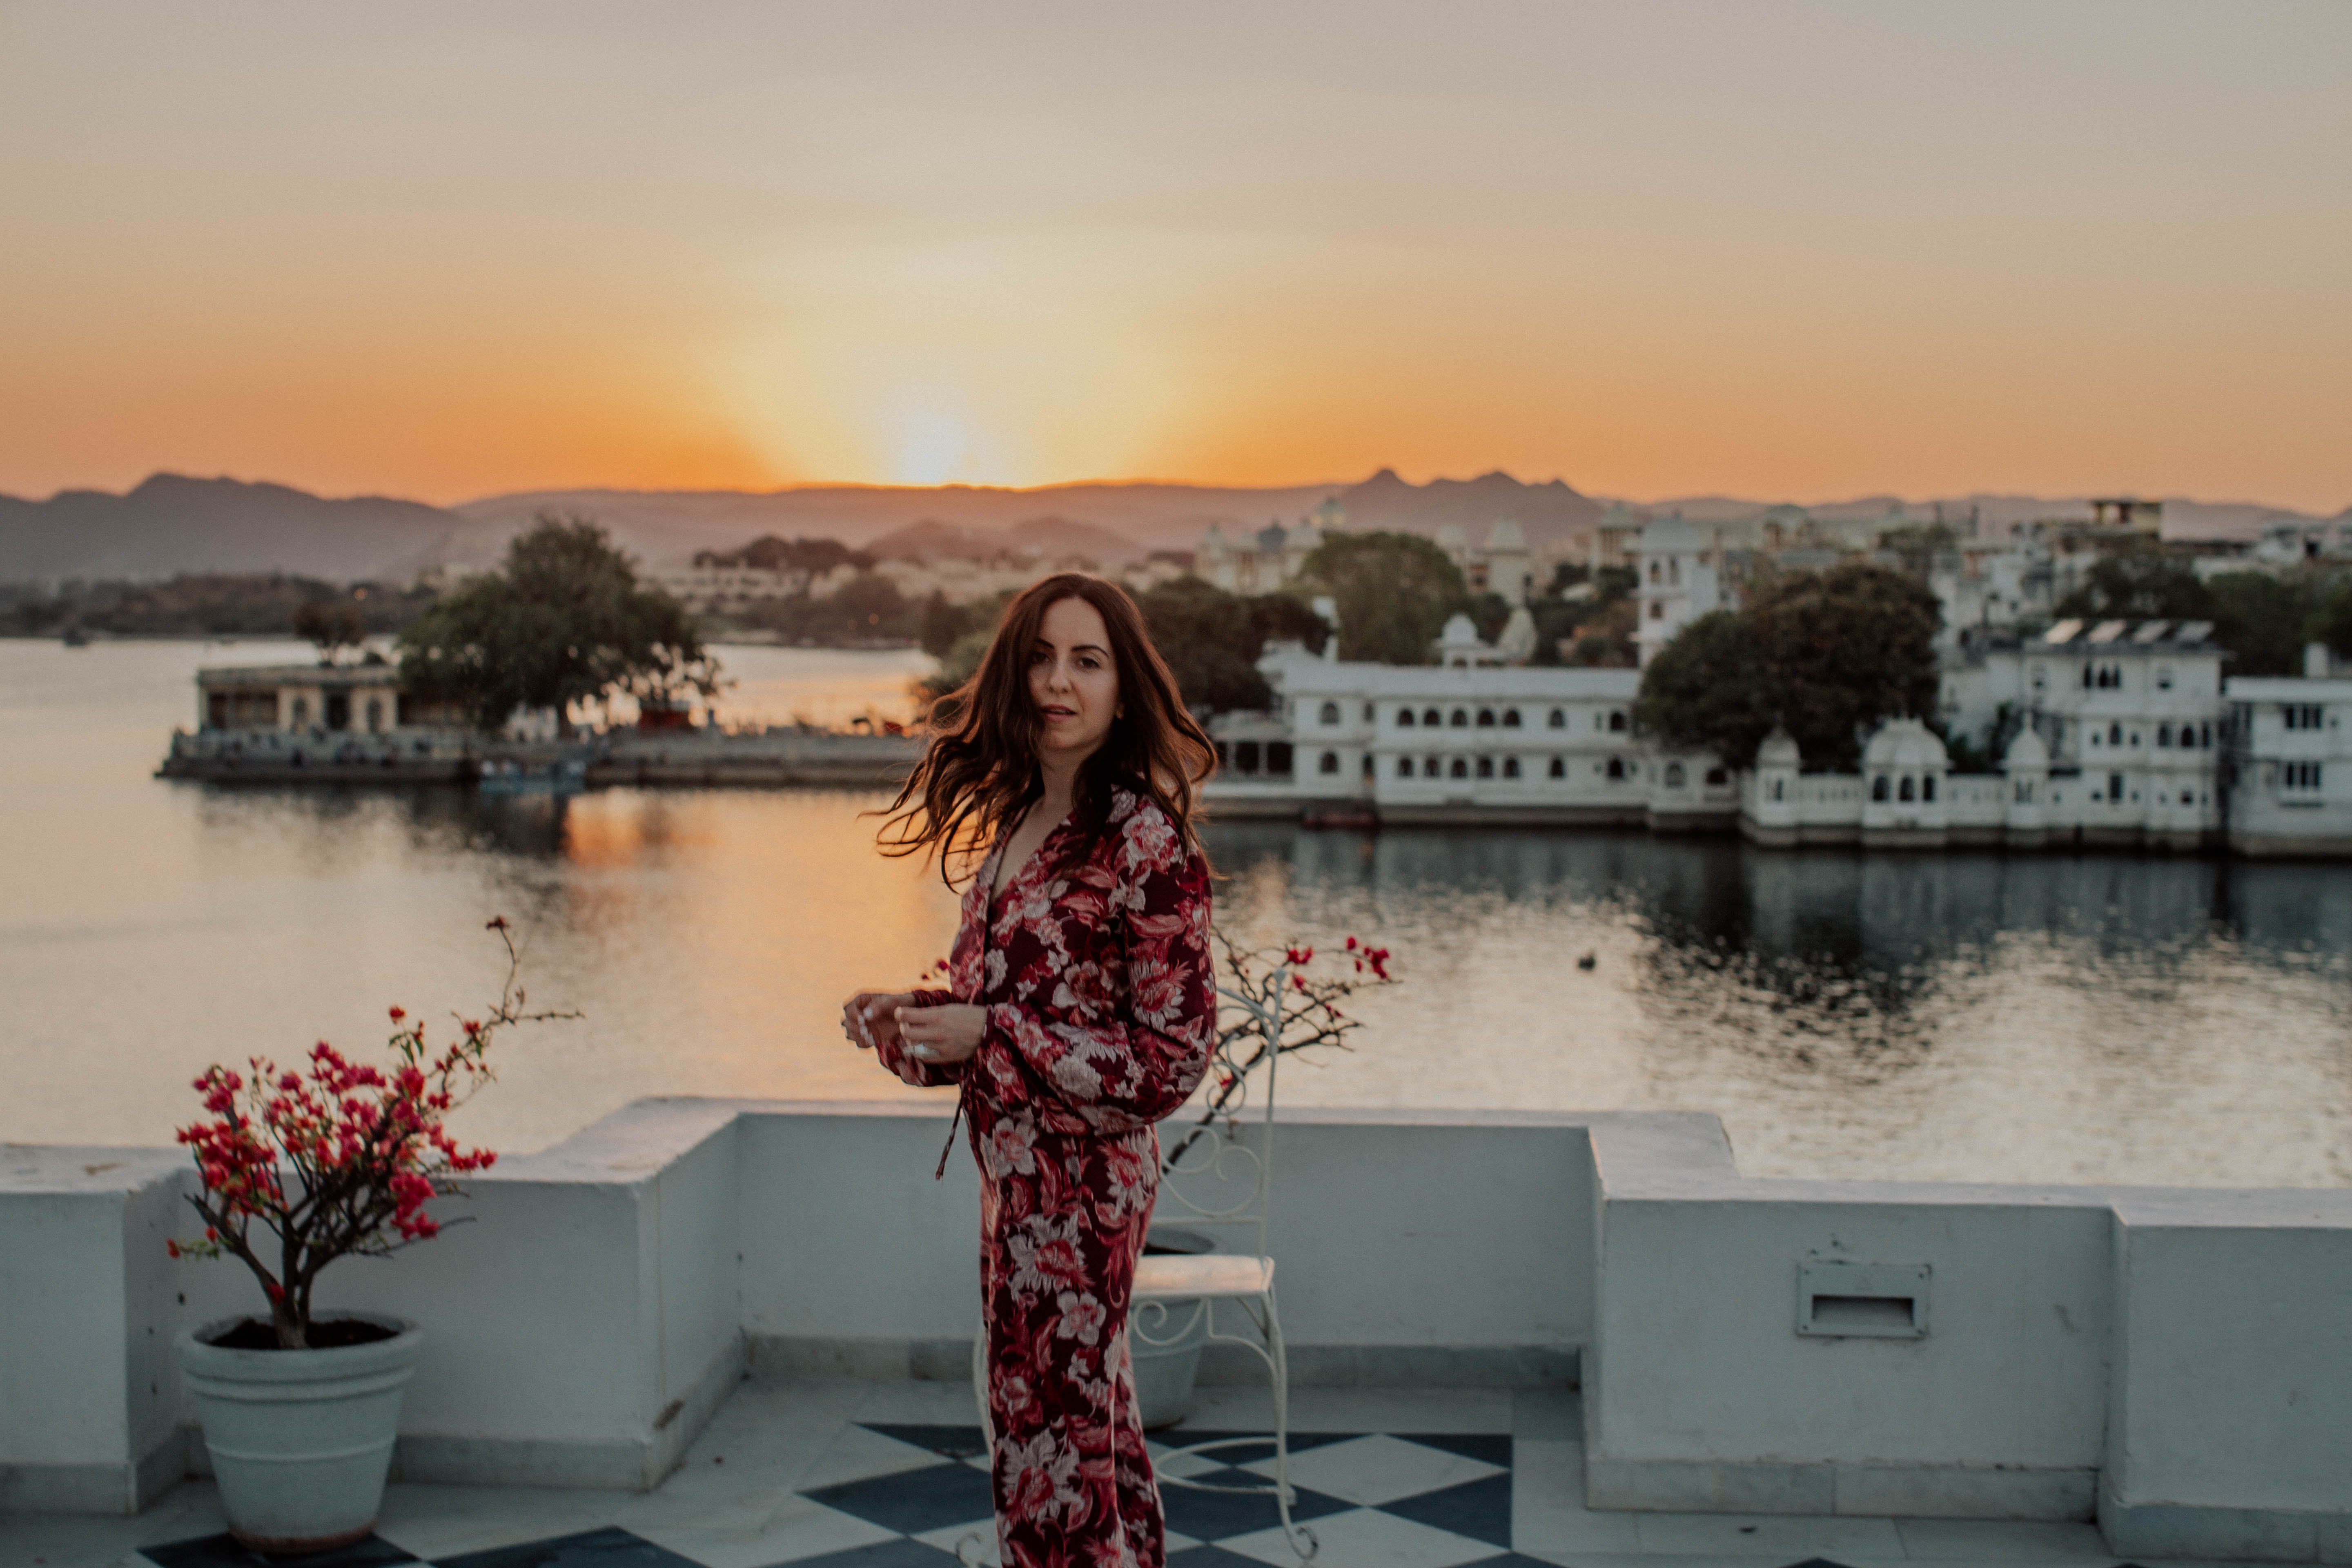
(807, 1477)
(914, 1493)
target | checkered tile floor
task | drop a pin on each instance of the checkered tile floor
(1405, 1500)
(887, 1475)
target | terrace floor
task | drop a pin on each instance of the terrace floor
(847, 1475)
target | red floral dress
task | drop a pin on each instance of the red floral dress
(1101, 1009)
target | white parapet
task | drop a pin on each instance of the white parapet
(2174, 1361)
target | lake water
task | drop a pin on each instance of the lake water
(2094, 1018)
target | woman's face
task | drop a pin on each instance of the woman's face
(1072, 680)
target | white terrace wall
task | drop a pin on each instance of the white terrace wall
(856, 1262)
(2179, 1362)
(606, 1293)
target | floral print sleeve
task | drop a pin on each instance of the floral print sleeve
(1097, 979)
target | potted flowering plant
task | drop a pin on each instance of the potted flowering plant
(295, 1170)
(1271, 1003)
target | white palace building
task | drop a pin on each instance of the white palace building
(2122, 733)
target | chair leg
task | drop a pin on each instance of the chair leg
(969, 1549)
(979, 1387)
(1300, 1539)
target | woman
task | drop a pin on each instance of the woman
(1080, 1011)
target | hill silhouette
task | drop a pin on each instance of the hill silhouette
(172, 524)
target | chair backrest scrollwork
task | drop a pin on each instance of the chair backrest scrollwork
(1217, 1171)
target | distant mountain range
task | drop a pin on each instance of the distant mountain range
(172, 524)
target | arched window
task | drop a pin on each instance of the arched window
(1780, 789)
(2115, 734)
(1461, 720)
(2024, 792)
(1404, 767)
(1558, 768)
(2086, 675)
(1405, 718)
(1510, 767)
(375, 714)
(1368, 713)
(1485, 717)
(1510, 718)
(1657, 609)
(1331, 712)
(1878, 787)
(2205, 737)
(2164, 734)
(1461, 768)
(1928, 787)
(1675, 775)
(1368, 764)
(1616, 720)
(1616, 767)
(1905, 791)
(1330, 763)
(1430, 769)
(1485, 767)
(1558, 720)
(1430, 719)
(1654, 571)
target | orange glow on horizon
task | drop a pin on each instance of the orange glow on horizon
(1652, 251)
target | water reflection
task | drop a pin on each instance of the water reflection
(2082, 1018)
(2091, 1018)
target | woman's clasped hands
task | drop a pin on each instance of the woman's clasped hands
(937, 1037)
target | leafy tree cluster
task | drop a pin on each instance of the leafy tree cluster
(805, 560)
(1213, 639)
(563, 622)
(213, 604)
(1830, 654)
(1598, 630)
(868, 608)
(1394, 591)
(2262, 618)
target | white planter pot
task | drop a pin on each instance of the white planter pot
(300, 1440)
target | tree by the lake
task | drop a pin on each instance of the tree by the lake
(2331, 623)
(802, 560)
(1213, 639)
(2264, 620)
(2140, 586)
(563, 622)
(1830, 654)
(332, 624)
(1394, 592)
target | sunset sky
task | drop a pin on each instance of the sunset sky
(1778, 250)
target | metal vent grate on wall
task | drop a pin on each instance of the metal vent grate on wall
(1863, 1300)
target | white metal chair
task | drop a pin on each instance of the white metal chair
(1215, 1180)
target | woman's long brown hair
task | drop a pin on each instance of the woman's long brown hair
(980, 772)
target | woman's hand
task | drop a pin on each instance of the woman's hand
(941, 1036)
(870, 1018)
